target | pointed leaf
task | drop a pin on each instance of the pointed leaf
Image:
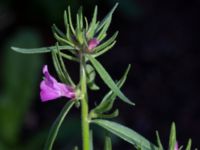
(160, 147)
(108, 80)
(70, 20)
(126, 134)
(102, 23)
(92, 26)
(104, 50)
(108, 100)
(57, 124)
(189, 145)
(58, 31)
(107, 43)
(108, 143)
(172, 138)
(39, 50)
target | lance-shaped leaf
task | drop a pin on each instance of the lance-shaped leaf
(93, 24)
(107, 43)
(79, 26)
(70, 20)
(63, 41)
(58, 31)
(104, 50)
(108, 80)
(102, 33)
(63, 68)
(108, 143)
(172, 137)
(40, 50)
(126, 134)
(160, 146)
(58, 67)
(91, 74)
(103, 22)
(189, 145)
(57, 124)
(108, 100)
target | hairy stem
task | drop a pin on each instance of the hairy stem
(84, 104)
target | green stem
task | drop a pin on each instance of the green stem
(84, 105)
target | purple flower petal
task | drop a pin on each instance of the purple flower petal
(51, 89)
(93, 43)
(176, 146)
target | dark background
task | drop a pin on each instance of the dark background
(159, 38)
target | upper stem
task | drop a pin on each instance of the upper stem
(84, 104)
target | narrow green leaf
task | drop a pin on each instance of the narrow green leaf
(102, 23)
(107, 43)
(86, 24)
(91, 140)
(39, 50)
(103, 31)
(69, 57)
(93, 24)
(58, 31)
(172, 138)
(189, 145)
(108, 80)
(62, 40)
(66, 22)
(65, 70)
(108, 143)
(70, 20)
(104, 50)
(58, 67)
(126, 134)
(108, 100)
(57, 124)
(160, 147)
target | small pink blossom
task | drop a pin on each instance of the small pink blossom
(51, 89)
(92, 44)
(176, 146)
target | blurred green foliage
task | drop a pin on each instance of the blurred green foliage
(20, 80)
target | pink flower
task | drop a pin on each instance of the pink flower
(176, 146)
(92, 44)
(51, 89)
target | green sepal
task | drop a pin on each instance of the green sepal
(126, 134)
(40, 50)
(160, 146)
(172, 137)
(107, 79)
(91, 74)
(57, 124)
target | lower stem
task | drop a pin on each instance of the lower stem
(84, 106)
